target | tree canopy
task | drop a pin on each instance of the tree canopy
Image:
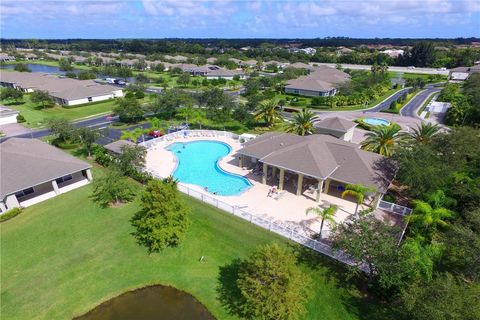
(163, 220)
(271, 284)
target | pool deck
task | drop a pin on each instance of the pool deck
(289, 209)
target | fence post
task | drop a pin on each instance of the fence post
(291, 234)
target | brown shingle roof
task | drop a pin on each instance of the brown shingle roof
(335, 123)
(116, 146)
(28, 162)
(320, 156)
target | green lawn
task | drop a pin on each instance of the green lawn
(427, 77)
(345, 108)
(36, 116)
(64, 256)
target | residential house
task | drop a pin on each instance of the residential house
(4, 57)
(33, 171)
(460, 74)
(323, 82)
(8, 115)
(64, 91)
(393, 53)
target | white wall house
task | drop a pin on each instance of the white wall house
(64, 91)
(33, 171)
(7, 115)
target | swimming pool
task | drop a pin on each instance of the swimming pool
(197, 163)
(376, 121)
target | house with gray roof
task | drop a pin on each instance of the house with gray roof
(460, 74)
(320, 160)
(322, 82)
(33, 171)
(337, 127)
(64, 91)
(8, 115)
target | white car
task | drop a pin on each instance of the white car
(411, 67)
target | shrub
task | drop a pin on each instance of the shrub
(10, 214)
(112, 189)
(140, 176)
(65, 145)
(101, 155)
(20, 118)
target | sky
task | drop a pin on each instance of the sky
(58, 19)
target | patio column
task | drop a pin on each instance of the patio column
(327, 185)
(265, 171)
(240, 161)
(55, 187)
(3, 207)
(274, 172)
(89, 174)
(282, 178)
(319, 190)
(300, 184)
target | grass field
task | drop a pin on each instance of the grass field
(64, 256)
(37, 116)
(345, 108)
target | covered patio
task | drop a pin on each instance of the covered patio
(312, 166)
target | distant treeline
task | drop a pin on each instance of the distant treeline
(173, 45)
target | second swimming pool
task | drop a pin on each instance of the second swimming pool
(197, 163)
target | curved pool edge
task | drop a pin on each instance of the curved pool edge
(377, 121)
(136, 288)
(218, 165)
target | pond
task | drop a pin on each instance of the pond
(39, 68)
(54, 70)
(150, 303)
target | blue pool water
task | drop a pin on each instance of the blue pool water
(198, 164)
(376, 121)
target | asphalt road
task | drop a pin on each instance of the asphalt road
(410, 109)
(111, 134)
(391, 68)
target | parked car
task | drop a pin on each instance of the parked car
(156, 133)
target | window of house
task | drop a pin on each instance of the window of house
(90, 99)
(64, 178)
(24, 192)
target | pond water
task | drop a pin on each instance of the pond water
(150, 303)
(39, 68)
(54, 70)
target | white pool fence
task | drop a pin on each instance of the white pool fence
(291, 232)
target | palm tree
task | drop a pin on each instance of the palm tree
(302, 122)
(326, 214)
(427, 217)
(424, 132)
(268, 111)
(358, 191)
(383, 139)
